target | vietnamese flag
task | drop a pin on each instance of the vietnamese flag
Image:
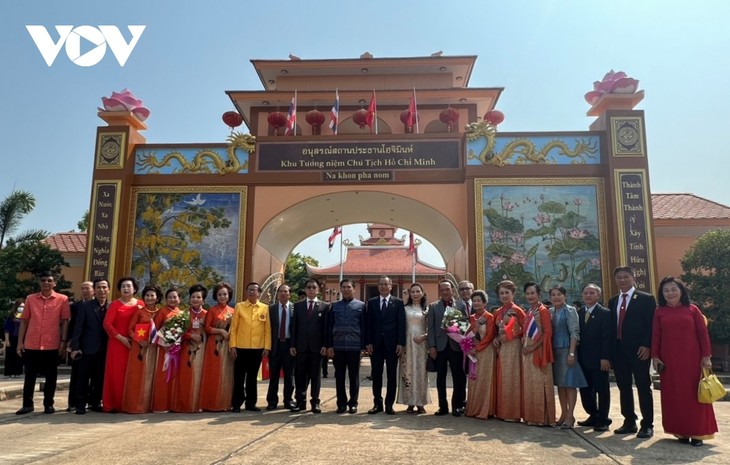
(509, 328)
(141, 332)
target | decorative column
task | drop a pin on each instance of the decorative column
(113, 169)
(631, 234)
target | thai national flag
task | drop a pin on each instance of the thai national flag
(291, 118)
(153, 332)
(335, 232)
(532, 331)
(335, 113)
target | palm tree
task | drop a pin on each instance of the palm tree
(12, 210)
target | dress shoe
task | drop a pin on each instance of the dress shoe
(376, 409)
(420, 410)
(70, 408)
(588, 422)
(645, 432)
(270, 407)
(236, 409)
(353, 410)
(458, 412)
(683, 440)
(441, 412)
(316, 409)
(49, 410)
(341, 409)
(96, 408)
(288, 405)
(696, 442)
(626, 428)
(600, 428)
(80, 411)
(253, 408)
(24, 410)
(389, 411)
(296, 408)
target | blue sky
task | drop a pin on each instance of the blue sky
(545, 53)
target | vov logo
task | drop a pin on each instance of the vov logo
(71, 36)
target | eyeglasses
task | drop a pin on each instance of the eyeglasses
(465, 289)
(46, 280)
(311, 287)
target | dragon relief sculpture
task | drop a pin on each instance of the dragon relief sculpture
(205, 161)
(525, 151)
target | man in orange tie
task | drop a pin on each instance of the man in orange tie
(632, 313)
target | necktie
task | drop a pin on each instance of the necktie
(282, 323)
(621, 314)
(310, 310)
(468, 308)
(384, 305)
(588, 314)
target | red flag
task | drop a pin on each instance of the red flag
(413, 112)
(141, 332)
(412, 246)
(335, 232)
(372, 116)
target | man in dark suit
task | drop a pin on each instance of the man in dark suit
(445, 351)
(594, 356)
(385, 322)
(88, 348)
(280, 357)
(308, 345)
(632, 313)
(87, 293)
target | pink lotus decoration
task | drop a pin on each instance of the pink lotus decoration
(125, 101)
(612, 83)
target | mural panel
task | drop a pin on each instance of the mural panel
(551, 231)
(187, 235)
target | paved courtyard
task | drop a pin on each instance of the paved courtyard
(280, 437)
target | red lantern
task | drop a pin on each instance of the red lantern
(494, 117)
(276, 120)
(405, 118)
(360, 117)
(315, 118)
(232, 119)
(449, 116)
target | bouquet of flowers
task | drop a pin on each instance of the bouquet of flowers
(456, 325)
(171, 336)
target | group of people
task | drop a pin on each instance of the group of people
(138, 356)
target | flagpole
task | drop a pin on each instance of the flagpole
(413, 265)
(376, 113)
(342, 264)
(415, 105)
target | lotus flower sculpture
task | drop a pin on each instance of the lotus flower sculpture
(612, 83)
(125, 101)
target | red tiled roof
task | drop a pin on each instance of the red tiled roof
(685, 207)
(377, 261)
(68, 242)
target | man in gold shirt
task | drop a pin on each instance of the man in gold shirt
(250, 341)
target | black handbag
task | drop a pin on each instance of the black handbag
(430, 365)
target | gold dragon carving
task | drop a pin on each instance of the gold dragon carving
(205, 161)
(524, 150)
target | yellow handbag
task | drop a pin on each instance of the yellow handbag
(710, 388)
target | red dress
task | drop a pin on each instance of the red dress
(186, 396)
(116, 322)
(680, 340)
(218, 366)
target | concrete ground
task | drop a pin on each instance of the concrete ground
(282, 437)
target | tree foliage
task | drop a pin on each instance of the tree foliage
(83, 223)
(20, 262)
(12, 211)
(706, 268)
(295, 271)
